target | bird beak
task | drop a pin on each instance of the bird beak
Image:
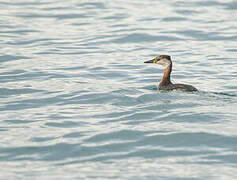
(150, 61)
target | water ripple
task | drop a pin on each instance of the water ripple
(77, 101)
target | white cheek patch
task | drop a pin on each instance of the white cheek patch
(165, 64)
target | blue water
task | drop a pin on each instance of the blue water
(77, 101)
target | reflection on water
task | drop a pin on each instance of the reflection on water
(78, 102)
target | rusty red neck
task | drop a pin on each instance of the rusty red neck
(166, 76)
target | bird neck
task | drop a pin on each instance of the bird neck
(166, 76)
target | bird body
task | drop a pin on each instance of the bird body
(165, 83)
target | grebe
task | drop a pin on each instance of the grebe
(165, 84)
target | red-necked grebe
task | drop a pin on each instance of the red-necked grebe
(165, 84)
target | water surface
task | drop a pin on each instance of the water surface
(77, 101)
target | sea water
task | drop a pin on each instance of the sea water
(77, 101)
